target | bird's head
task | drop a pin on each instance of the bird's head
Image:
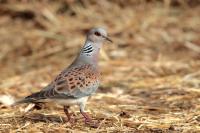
(98, 35)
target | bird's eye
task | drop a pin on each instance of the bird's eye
(97, 34)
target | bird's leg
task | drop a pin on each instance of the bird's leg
(86, 116)
(88, 120)
(70, 119)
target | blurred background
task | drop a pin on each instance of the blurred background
(153, 64)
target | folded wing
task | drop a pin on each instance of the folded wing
(72, 83)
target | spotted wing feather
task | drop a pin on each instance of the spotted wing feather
(78, 81)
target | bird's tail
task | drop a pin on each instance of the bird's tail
(25, 100)
(34, 98)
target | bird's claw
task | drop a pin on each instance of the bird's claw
(91, 123)
(71, 121)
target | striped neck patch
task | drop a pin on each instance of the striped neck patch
(87, 49)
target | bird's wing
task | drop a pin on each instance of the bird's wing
(75, 82)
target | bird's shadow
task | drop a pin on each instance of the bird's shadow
(36, 117)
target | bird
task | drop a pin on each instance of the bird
(78, 81)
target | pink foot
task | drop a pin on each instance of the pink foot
(72, 121)
(69, 118)
(88, 121)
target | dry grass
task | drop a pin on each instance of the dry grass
(150, 75)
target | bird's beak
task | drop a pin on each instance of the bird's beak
(108, 39)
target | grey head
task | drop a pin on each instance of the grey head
(97, 35)
(90, 51)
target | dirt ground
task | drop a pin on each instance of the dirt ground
(150, 73)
